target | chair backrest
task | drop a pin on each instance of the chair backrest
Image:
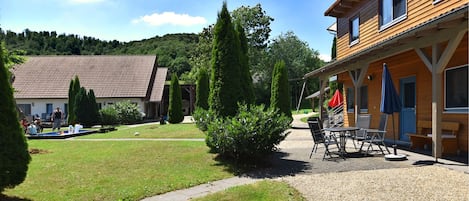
(316, 131)
(383, 122)
(363, 121)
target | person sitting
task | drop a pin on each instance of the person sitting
(31, 130)
(24, 124)
(38, 125)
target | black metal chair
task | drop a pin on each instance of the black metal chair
(376, 136)
(319, 137)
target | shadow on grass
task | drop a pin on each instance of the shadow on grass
(8, 198)
(272, 166)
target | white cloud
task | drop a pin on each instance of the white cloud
(325, 57)
(157, 19)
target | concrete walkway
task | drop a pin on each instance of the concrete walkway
(293, 160)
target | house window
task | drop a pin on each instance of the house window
(25, 108)
(456, 86)
(363, 99)
(354, 30)
(392, 12)
(49, 108)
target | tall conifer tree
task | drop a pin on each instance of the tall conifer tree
(202, 90)
(280, 95)
(225, 87)
(246, 79)
(175, 114)
(14, 155)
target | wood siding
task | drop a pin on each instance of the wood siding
(405, 65)
(418, 11)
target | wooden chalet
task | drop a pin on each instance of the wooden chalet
(425, 46)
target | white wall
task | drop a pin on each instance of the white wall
(38, 106)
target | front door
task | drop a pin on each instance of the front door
(408, 113)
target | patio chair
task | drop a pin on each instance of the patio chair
(319, 137)
(363, 122)
(376, 136)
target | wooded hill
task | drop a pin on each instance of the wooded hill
(173, 50)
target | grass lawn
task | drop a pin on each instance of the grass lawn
(259, 191)
(115, 170)
(151, 131)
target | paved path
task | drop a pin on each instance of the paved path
(293, 160)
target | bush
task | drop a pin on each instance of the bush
(128, 113)
(203, 118)
(109, 116)
(251, 134)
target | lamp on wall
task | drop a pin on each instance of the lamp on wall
(369, 77)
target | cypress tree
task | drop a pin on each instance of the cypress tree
(175, 101)
(246, 79)
(225, 87)
(73, 90)
(280, 95)
(14, 155)
(202, 89)
(93, 107)
(81, 107)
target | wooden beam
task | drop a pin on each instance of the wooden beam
(449, 51)
(425, 58)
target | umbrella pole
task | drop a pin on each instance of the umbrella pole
(394, 133)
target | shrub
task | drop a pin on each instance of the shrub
(109, 116)
(128, 113)
(251, 134)
(203, 118)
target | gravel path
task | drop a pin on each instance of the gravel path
(414, 183)
(367, 178)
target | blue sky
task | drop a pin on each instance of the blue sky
(127, 20)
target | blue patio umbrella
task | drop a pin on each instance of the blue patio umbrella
(390, 101)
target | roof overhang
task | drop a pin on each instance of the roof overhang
(341, 7)
(438, 29)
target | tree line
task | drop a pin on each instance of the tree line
(173, 50)
(186, 54)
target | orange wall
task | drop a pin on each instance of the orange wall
(405, 65)
(418, 11)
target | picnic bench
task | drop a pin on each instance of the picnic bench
(423, 137)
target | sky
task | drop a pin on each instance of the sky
(129, 20)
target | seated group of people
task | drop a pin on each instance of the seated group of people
(32, 128)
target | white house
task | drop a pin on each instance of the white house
(41, 84)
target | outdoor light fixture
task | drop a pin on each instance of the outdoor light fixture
(370, 77)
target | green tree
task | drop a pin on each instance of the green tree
(175, 102)
(299, 59)
(73, 90)
(93, 107)
(225, 88)
(247, 94)
(256, 24)
(280, 93)
(82, 107)
(14, 155)
(202, 89)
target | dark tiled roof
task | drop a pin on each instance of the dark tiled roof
(108, 76)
